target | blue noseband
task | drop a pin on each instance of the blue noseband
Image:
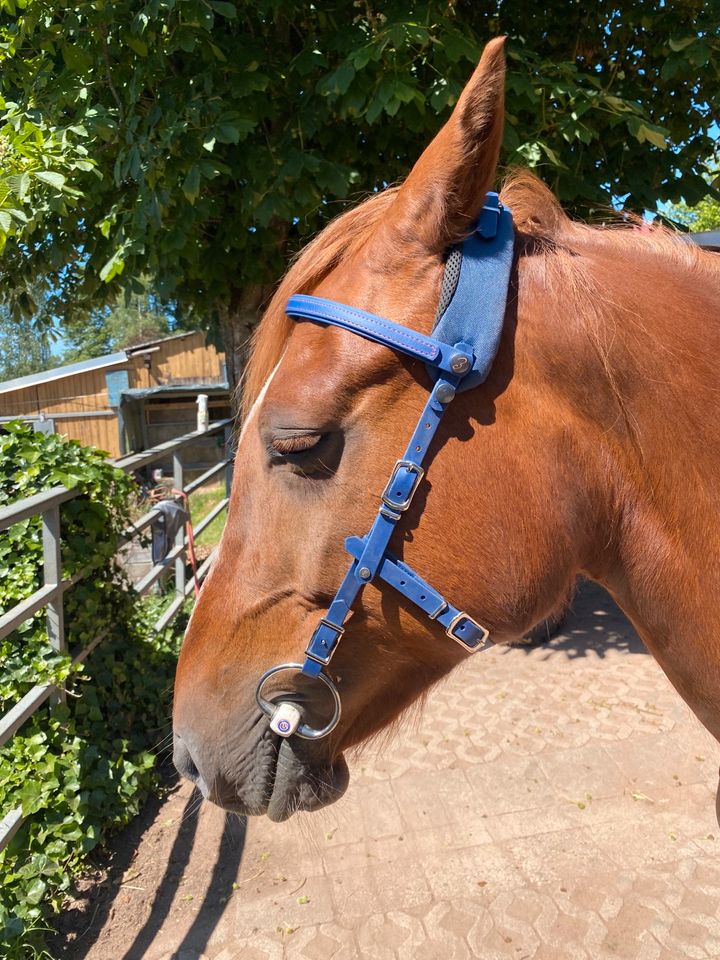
(458, 356)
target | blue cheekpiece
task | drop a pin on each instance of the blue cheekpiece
(458, 356)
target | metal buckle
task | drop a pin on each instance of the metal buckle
(386, 497)
(452, 626)
(339, 631)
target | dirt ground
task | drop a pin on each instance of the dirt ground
(554, 802)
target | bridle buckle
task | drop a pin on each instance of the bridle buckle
(387, 498)
(455, 625)
(312, 653)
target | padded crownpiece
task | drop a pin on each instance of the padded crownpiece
(476, 309)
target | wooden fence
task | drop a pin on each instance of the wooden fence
(50, 594)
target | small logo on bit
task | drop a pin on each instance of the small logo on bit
(283, 726)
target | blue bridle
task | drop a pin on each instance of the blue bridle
(458, 356)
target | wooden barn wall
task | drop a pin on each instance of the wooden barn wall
(74, 394)
(99, 432)
(186, 359)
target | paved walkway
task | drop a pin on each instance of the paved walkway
(551, 803)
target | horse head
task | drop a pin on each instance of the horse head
(520, 494)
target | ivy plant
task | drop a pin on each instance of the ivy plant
(81, 768)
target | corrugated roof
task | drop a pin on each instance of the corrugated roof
(174, 389)
(137, 347)
(706, 238)
(69, 370)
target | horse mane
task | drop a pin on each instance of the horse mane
(543, 229)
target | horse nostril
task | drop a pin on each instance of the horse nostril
(184, 763)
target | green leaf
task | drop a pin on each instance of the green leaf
(678, 45)
(138, 45)
(339, 81)
(35, 891)
(552, 156)
(228, 10)
(655, 135)
(191, 184)
(75, 57)
(5, 221)
(228, 133)
(404, 92)
(644, 131)
(112, 268)
(19, 184)
(51, 178)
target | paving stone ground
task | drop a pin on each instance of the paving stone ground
(551, 803)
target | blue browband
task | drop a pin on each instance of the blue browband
(458, 355)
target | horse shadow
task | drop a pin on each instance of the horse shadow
(125, 845)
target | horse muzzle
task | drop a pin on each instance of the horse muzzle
(271, 775)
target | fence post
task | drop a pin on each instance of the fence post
(52, 575)
(228, 436)
(179, 484)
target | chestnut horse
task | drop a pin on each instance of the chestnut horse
(592, 448)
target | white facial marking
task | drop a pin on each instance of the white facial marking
(258, 402)
(248, 420)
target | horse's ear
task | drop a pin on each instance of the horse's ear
(442, 197)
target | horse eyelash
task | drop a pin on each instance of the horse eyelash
(295, 444)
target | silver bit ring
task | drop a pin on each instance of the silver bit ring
(304, 730)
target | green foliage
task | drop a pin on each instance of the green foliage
(78, 769)
(132, 319)
(200, 141)
(704, 215)
(23, 348)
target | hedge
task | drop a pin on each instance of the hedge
(82, 768)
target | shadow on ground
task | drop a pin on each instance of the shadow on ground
(592, 625)
(92, 913)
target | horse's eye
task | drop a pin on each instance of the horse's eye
(308, 454)
(295, 444)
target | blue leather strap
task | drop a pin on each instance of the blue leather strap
(371, 557)
(393, 335)
(326, 635)
(396, 499)
(404, 579)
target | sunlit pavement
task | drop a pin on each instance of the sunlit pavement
(551, 802)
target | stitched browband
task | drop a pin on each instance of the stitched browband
(371, 327)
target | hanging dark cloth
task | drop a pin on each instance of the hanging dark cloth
(172, 518)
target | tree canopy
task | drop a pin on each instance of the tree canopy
(23, 349)
(132, 319)
(198, 142)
